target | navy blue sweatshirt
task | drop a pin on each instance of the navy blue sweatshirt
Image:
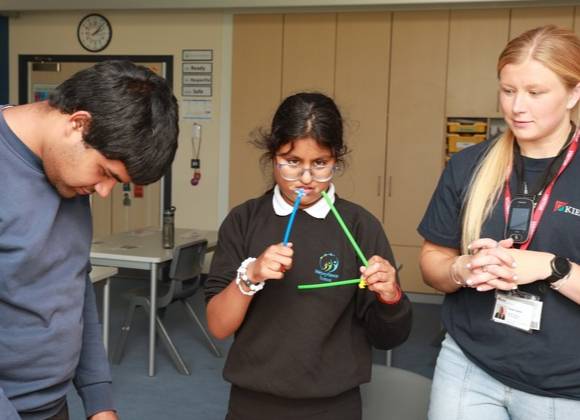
(49, 329)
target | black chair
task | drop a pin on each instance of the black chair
(184, 281)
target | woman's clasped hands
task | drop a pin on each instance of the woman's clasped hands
(490, 265)
(495, 264)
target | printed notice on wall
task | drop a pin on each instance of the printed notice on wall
(196, 109)
(197, 77)
(197, 55)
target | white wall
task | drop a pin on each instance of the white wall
(153, 33)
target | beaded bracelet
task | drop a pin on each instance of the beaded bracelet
(242, 277)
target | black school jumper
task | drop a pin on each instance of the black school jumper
(303, 353)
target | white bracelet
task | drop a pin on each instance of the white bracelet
(242, 277)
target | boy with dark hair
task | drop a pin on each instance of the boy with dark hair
(114, 122)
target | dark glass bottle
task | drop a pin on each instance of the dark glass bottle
(169, 228)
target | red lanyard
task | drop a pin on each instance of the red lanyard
(539, 210)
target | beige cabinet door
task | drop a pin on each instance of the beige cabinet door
(410, 275)
(476, 38)
(416, 124)
(362, 91)
(531, 17)
(309, 53)
(256, 92)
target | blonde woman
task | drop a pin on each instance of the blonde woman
(502, 240)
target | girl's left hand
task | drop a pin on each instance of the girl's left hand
(381, 278)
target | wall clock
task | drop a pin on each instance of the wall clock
(94, 32)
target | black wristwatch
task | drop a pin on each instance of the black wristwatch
(560, 268)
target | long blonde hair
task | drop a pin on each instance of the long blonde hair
(559, 50)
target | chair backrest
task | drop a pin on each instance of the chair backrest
(187, 261)
(395, 394)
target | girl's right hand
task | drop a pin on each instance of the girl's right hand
(272, 263)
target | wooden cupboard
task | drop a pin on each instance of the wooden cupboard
(410, 274)
(397, 77)
(276, 55)
(256, 92)
(415, 126)
(362, 89)
(416, 107)
(309, 53)
(476, 38)
(523, 19)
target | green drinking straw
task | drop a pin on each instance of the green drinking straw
(347, 233)
(329, 284)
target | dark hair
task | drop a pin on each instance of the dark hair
(303, 115)
(134, 115)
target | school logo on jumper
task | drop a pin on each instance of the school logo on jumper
(327, 264)
(563, 207)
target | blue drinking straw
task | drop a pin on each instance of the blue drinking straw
(292, 215)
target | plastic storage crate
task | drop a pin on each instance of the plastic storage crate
(465, 127)
(457, 142)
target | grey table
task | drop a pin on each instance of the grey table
(142, 249)
(98, 274)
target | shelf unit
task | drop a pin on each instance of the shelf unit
(465, 132)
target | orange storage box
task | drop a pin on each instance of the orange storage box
(461, 127)
(457, 142)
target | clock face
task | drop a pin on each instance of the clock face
(94, 32)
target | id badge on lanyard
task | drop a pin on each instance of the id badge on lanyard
(517, 309)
